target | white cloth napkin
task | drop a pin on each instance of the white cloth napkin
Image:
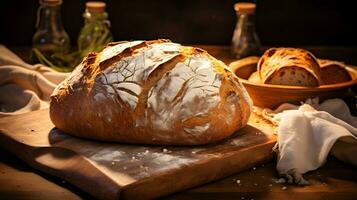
(308, 133)
(24, 87)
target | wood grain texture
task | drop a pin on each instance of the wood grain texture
(334, 180)
(113, 171)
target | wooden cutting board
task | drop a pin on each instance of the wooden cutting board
(121, 171)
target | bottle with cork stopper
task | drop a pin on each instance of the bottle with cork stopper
(50, 36)
(95, 33)
(245, 41)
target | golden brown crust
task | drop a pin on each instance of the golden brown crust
(153, 92)
(333, 72)
(278, 65)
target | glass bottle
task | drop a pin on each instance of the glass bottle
(50, 36)
(245, 41)
(95, 33)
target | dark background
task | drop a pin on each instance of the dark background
(279, 22)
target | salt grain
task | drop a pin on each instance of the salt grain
(284, 188)
(254, 168)
(238, 181)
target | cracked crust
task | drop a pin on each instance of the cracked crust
(151, 92)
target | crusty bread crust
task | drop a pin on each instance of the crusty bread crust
(333, 72)
(289, 66)
(151, 92)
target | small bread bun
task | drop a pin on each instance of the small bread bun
(254, 78)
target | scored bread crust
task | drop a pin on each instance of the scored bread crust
(151, 92)
(289, 66)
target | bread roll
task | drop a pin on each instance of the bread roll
(151, 92)
(244, 66)
(289, 66)
(254, 78)
(333, 72)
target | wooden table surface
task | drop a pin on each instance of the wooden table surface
(335, 180)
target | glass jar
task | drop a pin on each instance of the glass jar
(245, 41)
(50, 36)
(95, 34)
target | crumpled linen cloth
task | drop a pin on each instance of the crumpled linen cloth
(308, 133)
(24, 87)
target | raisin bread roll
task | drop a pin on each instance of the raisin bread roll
(151, 92)
(333, 72)
(289, 66)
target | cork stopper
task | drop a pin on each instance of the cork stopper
(95, 6)
(245, 8)
(51, 2)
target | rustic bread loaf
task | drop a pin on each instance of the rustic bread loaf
(289, 66)
(151, 92)
(333, 72)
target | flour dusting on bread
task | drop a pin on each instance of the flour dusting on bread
(153, 92)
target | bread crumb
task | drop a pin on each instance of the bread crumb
(254, 168)
(165, 150)
(113, 163)
(284, 188)
(124, 167)
(280, 180)
(238, 181)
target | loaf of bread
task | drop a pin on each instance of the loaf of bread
(151, 92)
(289, 66)
(333, 72)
